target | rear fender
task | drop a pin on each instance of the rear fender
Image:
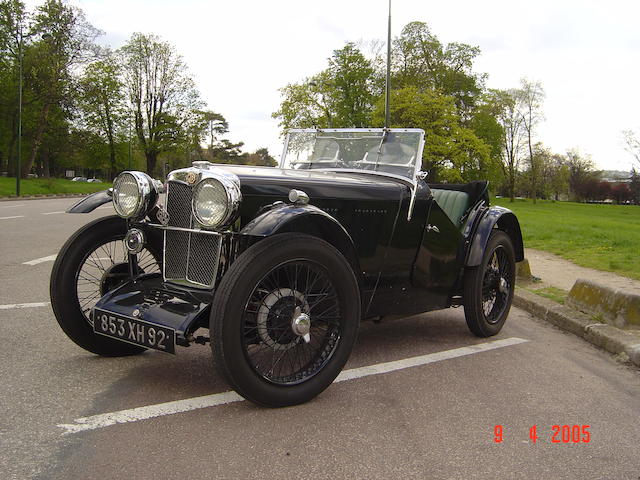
(495, 217)
(285, 218)
(91, 202)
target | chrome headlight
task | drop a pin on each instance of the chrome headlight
(134, 194)
(216, 201)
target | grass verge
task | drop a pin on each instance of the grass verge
(552, 293)
(47, 186)
(604, 237)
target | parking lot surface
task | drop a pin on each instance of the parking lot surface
(420, 397)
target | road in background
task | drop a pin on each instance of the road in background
(431, 421)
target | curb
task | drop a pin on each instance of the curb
(618, 307)
(42, 197)
(605, 336)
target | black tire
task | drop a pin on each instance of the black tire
(243, 333)
(64, 286)
(493, 279)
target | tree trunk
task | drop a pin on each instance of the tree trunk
(152, 159)
(37, 139)
(512, 184)
(45, 165)
(533, 169)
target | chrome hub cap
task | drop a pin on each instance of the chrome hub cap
(276, 304)
(301, 324)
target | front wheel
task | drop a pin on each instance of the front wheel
(284, 319)
(91, 263)
(488, 288)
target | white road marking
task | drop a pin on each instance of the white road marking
(50, 258)
(23, 305)
(14, 216)
(169, 408)
(52, 213)
(13, 206)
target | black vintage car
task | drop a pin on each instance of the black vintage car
(282, 264)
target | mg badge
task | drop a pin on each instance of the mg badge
(191, 178)
(162, 215)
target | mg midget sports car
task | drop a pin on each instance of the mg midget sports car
(281, 264)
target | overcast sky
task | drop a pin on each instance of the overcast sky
(585, 53)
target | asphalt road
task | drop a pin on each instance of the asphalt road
(435, 420)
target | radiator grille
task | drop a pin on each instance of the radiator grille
(189, 256)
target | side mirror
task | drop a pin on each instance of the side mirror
(422, 175)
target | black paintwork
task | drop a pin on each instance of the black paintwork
(403, 269)
(160, 303)
(91, 202)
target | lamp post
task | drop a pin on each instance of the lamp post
(18, 163)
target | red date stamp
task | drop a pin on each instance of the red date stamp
(557, 434)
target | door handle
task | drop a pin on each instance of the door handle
(433, 228)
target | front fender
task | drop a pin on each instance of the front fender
(505, 220)
(91, 202)
(305, 219)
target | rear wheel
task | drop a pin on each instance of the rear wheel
(488, 288)
(91, 263)
(284, 319)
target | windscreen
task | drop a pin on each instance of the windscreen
(392, 151)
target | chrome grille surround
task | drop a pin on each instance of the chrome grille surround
(190, 255)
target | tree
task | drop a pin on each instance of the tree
(65, 40)
(632, 144)
(163, 96)
(422, 61)
(580, 171)
(13, 23)
(338, 97)
(621, 193)
(509, 117)
(531, 97)
(102, 103)
(350, 77)
(452, 152)
(558, 180)
(634, 187)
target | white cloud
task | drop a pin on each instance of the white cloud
(584, 52)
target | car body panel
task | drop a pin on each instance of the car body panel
(91, 202)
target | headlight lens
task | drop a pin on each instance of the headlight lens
(211, 203)
(133, 194)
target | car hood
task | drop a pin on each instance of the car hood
(318, 184)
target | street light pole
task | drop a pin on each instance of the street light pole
(18, 163)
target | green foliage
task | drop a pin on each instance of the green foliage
(102, 105)
(164, 97)
(452, 152)
(338, 97)
(422, 61)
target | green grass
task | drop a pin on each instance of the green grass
(48, 186)
(552, 293)
(604, 237)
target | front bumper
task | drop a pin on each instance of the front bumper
(150, 299)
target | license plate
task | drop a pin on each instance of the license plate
(134, 331)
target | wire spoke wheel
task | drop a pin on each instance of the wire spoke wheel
(92, 262)
(496, 285)
(284, 319)
(488, 287)
(104, 268)
(275, 346)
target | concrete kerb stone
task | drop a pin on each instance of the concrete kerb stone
(608, 337)
(616, 307)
